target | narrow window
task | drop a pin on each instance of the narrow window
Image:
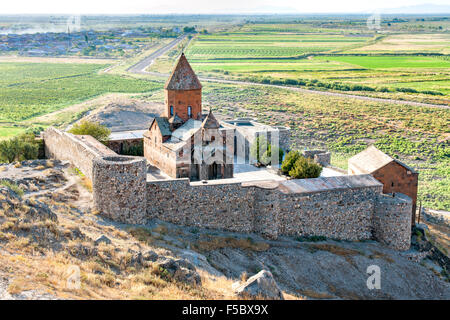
(171, 110)
(213, 138)
(392, 184)
(189, 111)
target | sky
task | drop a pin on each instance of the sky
(202, 6)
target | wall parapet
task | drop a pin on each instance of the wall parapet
(392, 220)
(79, 150)
(119, 188)
(335, 207)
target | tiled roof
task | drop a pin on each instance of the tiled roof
(370, 160)
(187, 130)
(328, 183)
(210, 122)
(183, 77)
(163, 125)
(175, 119)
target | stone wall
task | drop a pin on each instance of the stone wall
(225, 206)
(319, 156)
(346, 207)
(119, 188)
(350, 213)
(337, 214)
(79, 150)
(392, 220)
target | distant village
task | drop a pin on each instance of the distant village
(111, 43)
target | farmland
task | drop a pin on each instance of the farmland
(400, 62)
(29, 90)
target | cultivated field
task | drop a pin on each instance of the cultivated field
(30, 90)
(331, 56)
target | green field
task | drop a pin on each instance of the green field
(390, 62)
(342, 54)
(266, 45)
(28, 90)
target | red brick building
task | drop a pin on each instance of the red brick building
(393, 174)
(183, 92)
(183, 142)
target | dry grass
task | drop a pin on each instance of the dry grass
(440, 235)
(86, 183)
(316, 295)
(381, 255)
(340, 251)
(214, 243)
(161, 229)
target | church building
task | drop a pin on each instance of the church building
(184, 142)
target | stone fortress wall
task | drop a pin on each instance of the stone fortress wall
(79, 150)
(344, 207)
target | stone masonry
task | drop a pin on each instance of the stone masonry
(345, 207)
(119, 188)
(79, 150)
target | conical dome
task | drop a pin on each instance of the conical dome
(183, 77)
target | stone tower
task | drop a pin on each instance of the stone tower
(183, 92)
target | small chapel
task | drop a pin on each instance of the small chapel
(184, 142)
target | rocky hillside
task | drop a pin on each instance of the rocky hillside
(48, 231)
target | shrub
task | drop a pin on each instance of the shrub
(133, 150)
(299, 167)
(96, 130)
(12, 186)
(304, 169)
(23, 147)
(291, 81)
(382, 89)
(289, 161)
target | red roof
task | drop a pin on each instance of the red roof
(183, 77)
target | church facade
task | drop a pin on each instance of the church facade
(185, 142)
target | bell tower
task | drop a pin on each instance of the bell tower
(183, 92)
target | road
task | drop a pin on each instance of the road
(146, 62)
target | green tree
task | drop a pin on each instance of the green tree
(261, 151)
(266, 158)
(258, 148)
(289, 161)
(304, 168)
(23, 147)
(94, 129)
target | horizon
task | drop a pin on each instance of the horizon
(232, 7)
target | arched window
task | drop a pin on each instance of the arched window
(171, 110)
(189, 111)
(213, 138)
